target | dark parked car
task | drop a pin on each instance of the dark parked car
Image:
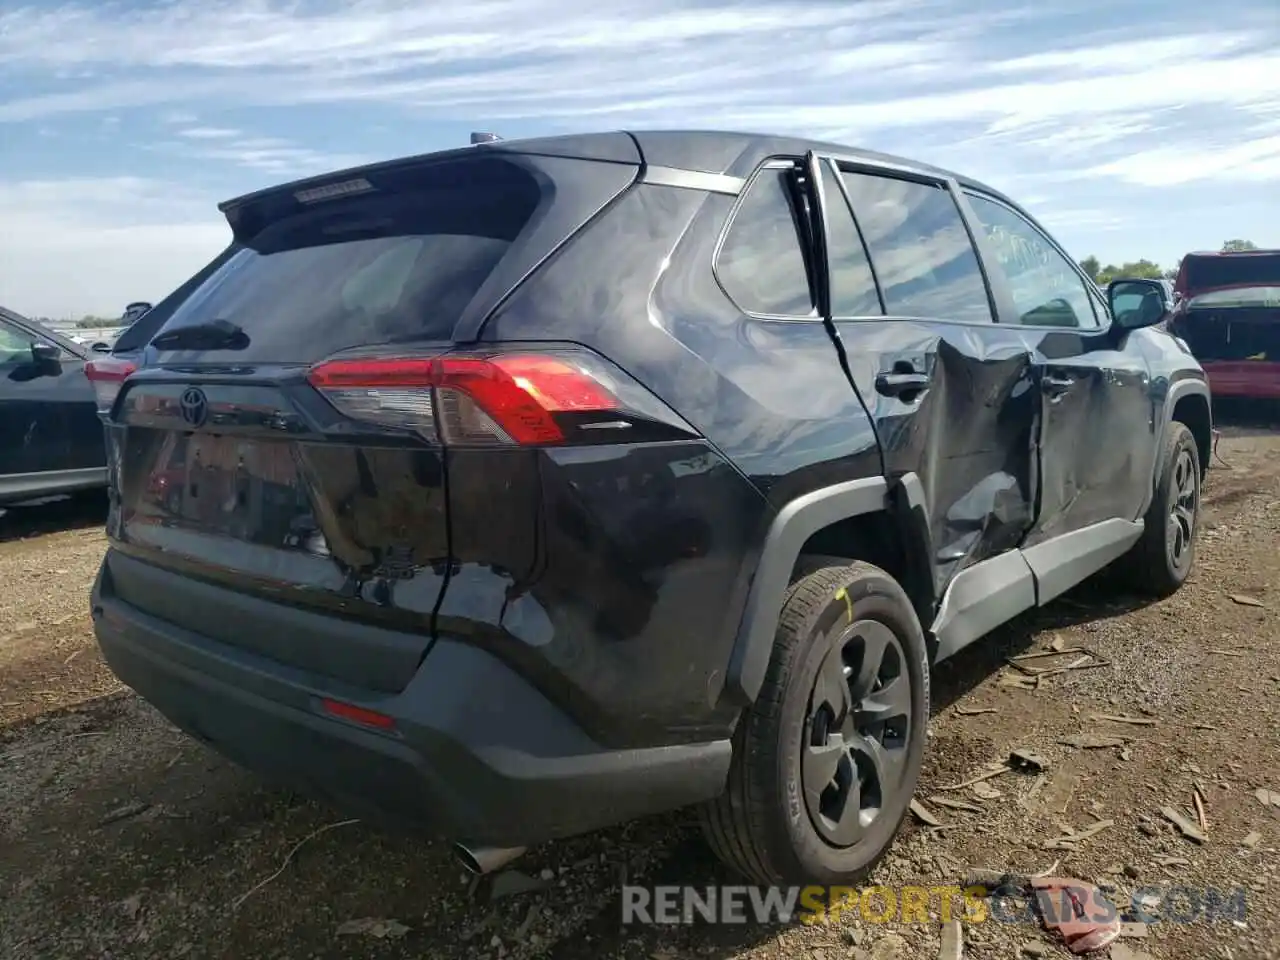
(522, 489)
(50, 435)
(1229, 312)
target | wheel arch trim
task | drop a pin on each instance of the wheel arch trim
(793, 525)
(1179, 390)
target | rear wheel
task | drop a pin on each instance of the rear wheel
(826, 760)
(1161, 560)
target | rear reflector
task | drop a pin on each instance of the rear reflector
(360, 715)
(107, 376)
(499, 399)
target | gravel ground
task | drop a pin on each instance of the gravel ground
(121, 838)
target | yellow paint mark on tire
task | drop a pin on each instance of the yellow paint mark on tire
(848, 604)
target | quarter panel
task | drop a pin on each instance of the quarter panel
(603, 575)
(778, 413)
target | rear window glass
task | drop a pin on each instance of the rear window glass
(374, 268)
(761, 264)
(1261, 270)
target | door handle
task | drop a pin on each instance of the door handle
(901, 384)
(1056, 385)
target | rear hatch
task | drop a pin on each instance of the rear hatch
(1229, 316)
(250, 451)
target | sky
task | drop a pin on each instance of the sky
(1130, 128)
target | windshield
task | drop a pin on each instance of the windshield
(1229, 270)
(40, 331)
(377, 268)
(1268, 296)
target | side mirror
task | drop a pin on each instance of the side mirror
(101, 347)
(46, 352)
(1136, 303)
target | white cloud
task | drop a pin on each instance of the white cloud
(208, 133)
(78, 246)
(1066, 100)
(1256, 160)
(276, 156)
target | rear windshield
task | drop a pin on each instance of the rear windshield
(1238, 297)
(1236, 270)
(373, 268)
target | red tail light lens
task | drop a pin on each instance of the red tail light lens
(107, 376)
(506, 398)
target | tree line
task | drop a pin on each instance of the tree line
(1146, 269)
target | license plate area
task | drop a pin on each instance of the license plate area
(246, 489)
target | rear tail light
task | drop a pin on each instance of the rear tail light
(360, 715)
(507, 398)
(107, 375)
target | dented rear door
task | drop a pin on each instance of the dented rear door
(950, 392)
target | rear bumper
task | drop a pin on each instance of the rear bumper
(476, 753)
(1246, 379)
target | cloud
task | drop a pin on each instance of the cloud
(86, 245)
(1255, 160)
(1070, 101)
(877, 69)
(208, 133)
(277, 156)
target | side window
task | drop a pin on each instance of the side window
(853, 288)
(1047, 291)
(15, 345)
(761, 263)
(919, 247)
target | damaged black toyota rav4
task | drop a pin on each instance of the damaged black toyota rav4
(518, 490)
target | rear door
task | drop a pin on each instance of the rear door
(243, 459)
(1097, 412)
(949, 390)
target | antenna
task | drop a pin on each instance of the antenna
(484, 138)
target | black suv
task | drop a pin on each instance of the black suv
(522, 489)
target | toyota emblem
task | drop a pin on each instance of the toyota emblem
(194, 406)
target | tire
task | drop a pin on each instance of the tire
(767, 826)
(1159, 563)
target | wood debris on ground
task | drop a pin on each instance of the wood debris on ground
(1072, 839)
(924, 814)
(955, 804)
(974, 711)
(1125, 718)
(1245, 601)
(1084, 741)
(1185, 824)
(373, 927)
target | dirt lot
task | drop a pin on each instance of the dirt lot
(120, 838)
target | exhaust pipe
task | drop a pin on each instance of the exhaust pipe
(483, 860)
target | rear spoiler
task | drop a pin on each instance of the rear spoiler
(247, 213)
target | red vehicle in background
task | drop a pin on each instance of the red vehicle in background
(1228, 312)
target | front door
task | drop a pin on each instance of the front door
(950, 391)
(1097, 415)
(48, 417)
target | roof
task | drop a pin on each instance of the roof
(706, 151)
(1232, 253)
